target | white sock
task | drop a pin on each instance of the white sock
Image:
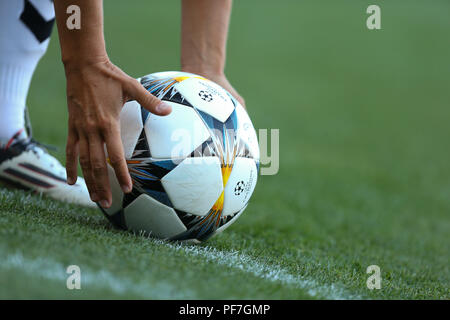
(24, 31)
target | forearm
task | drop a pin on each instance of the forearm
(204, 35)
(84, 45)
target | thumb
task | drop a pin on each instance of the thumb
(147, 100)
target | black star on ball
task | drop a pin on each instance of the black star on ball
(239, 188)
(205, 95)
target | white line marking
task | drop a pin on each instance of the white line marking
(270, 272)
(53, 270)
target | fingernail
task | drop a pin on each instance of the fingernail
(104, 204)
(126, 189)
(163, 107)
(70, 180)
(94, 197)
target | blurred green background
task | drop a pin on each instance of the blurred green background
(364, 133)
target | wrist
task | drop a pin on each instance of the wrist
(203, 60)
(79, 62)
(203, 70)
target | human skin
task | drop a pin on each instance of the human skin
(97, 89)
(204, 33)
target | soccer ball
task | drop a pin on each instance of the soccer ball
(194, 170)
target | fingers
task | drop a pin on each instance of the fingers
(99, 171)
(147, 100)
(94, 165)
(236, 95)
(117, 159)
(85, 163)
(72, 157)
(240, 99)
(95, 97)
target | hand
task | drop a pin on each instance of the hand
(96, 92)
(218, 78)
(221, 80)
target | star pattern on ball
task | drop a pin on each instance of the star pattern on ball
(150, 171)
(205, 95)
(239, 188)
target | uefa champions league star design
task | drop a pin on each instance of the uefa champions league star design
(225, 146)
(206, 96)
(164, 88)
(223, 143)
(147, 173)
(239, 188)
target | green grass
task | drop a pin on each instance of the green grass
(364, 175)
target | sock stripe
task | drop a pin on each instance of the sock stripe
(36, 23)
(13, 138)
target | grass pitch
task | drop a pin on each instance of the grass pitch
(364, 163)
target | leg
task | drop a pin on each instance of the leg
(25, 27)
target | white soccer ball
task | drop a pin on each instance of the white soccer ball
(194, 170)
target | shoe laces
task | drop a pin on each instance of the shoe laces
(43, 146)
(39, 148)
(41, 152)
